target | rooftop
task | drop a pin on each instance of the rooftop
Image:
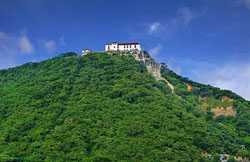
(132, 43)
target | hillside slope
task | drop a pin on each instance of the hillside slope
(108, 108)
(228, 107)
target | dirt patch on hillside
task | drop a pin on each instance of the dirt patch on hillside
(205, 104)
(189, 87)
(169, 84)
(228, 111)
(225, 98)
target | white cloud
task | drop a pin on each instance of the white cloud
(168, 28)
(155, 50)
(185, 15)
(233, 76)
(12, 48)
(245, 2)
(7, 61)
(62, 41)
(155, 27)
(25, 45)
(171, 63)
(49, 45)
(14, 44)
(3, 36)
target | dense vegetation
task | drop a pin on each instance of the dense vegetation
(213, 97)
(108, 108)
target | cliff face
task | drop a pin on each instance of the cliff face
(152, 66)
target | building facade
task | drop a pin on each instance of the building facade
(122, 47)
(86, 51)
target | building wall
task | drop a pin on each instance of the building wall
(111, 47)
(115, 47)
(85, 52)
(129, 47)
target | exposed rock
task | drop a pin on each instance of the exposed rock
(225, 98)
(189, 87)
(228, 111)
(152, 66)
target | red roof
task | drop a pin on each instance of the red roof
(127, 43)
(124, 43)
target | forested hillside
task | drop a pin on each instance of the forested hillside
(208, 99)
(109, 108)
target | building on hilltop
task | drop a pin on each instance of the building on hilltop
(86, 51)
(133, 49)
(122, 47)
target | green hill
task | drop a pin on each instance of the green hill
(109, 108)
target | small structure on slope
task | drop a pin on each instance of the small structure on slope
(86, 51)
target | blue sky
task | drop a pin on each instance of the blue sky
(205, 40)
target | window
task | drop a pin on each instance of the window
(135, 46)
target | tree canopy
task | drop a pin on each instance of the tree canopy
(108, 108)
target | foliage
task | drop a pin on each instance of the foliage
(105, 108)
(205, 97)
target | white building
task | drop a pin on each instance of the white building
(123, 47)
(86, 51)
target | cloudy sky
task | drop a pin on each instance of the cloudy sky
(205, 40)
